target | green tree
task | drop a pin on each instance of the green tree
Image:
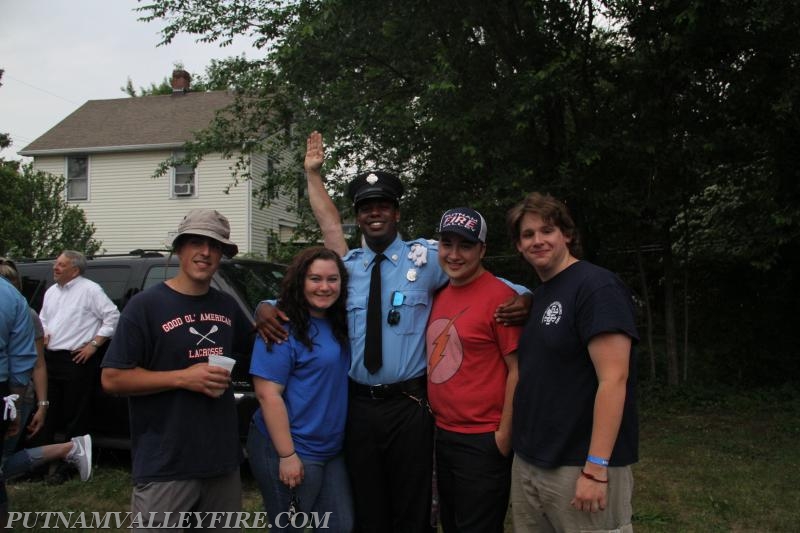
(491, 96)
(713, 106)
(35, 219)
(669, 128)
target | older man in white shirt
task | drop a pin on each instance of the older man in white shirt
(78, 318)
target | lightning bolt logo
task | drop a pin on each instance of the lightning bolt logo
(440, 343)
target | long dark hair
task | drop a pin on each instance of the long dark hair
(293, 301)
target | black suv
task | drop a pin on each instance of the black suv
(122, 276)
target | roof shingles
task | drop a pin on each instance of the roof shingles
(131, 123)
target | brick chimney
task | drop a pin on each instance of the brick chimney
(180, 81)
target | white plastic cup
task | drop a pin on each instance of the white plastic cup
(220, 360)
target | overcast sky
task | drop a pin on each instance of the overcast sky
(57, 54)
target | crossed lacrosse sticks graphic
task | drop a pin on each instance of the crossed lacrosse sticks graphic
(213, 329)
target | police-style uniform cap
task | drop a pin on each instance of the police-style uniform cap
(465, 222)
(208, 223)
(375, 184)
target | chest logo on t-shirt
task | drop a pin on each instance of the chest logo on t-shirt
(445, 351)
(552, 315)
(206, 333)
(205, 336)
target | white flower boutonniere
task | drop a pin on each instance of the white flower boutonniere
(411, 275)
(418, 254)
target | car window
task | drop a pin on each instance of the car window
(254, 281)
(34, 288)
(158, 274)
(113, 280)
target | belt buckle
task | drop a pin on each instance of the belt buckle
(373, 388)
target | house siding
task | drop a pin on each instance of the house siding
(260, 218)
(132, 210)
(272, 220)
(52, 165)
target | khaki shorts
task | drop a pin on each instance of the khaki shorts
(166, 500)
(540, 500)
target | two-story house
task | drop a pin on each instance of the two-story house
(108, 150)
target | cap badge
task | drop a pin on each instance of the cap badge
(372, 179)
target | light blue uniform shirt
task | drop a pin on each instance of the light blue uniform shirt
(403, 343)
(17, 348)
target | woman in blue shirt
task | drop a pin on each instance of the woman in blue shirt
(295, 441)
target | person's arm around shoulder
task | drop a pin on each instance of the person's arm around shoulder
(201, 377)
(515, 310)
(610, 354)
(325, 211)
(270, 322)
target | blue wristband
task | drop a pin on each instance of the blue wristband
(597, 460)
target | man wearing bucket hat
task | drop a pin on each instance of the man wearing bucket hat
(472, 374)
(389, 433)
(184, 435)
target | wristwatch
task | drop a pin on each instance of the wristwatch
(94, 343)
(43, 403)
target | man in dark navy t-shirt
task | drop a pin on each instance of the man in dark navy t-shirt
(184, 434)
(575, 429)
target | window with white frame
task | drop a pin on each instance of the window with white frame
(184, 179)
(77, 178)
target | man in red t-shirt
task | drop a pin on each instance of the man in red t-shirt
(472, 374)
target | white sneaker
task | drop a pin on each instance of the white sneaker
(81, 455)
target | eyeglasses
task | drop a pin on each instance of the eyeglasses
(394, 315)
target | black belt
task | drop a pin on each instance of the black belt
(57, 352)
(413, 386)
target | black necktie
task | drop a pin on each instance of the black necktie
(373, 347)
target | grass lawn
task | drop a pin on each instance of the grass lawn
(719, 462)
(710, 461)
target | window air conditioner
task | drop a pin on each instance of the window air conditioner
(183, 189)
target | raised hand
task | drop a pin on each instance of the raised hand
(315, 152)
